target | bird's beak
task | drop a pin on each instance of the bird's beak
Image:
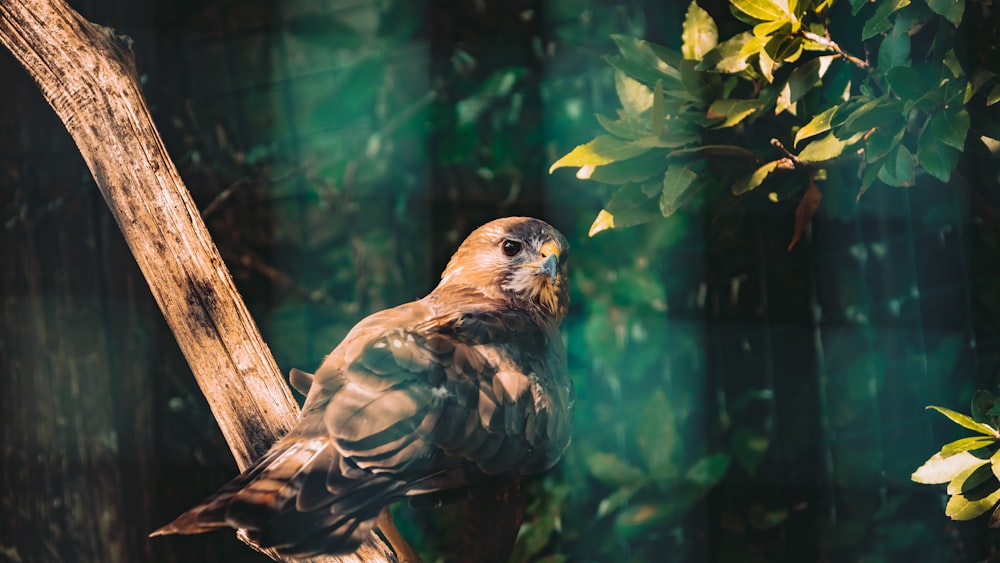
(550, 260)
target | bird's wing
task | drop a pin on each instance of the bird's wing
(424, 402)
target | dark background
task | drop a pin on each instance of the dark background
(339, 152)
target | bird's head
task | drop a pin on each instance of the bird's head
(518, 259)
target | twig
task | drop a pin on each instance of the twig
(833, 46)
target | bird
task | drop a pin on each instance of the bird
(459, 394)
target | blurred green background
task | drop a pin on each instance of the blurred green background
(736, 401)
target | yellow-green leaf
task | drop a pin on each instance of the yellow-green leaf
(939, 469)
(966, 421)
(816, 125)
(603, 222)
(604, 149)
(763, 10)
(827, 148)
(970, 479)
(700, 34)
(734, 111)
(961, 508)
(967, 444)
(755, 179)
(634, 96)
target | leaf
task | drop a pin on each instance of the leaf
(870, 115)
(628, 128)
(879, 22)
(757, 177)
(895, 48)
(629, 206)
(951, 127)
(966, 481)
(734, 111)
(658, 436)
(708, 470)
(763, 10)
(633, 170)
(884, 139)
(604, 149)
(610, 469)
(731, 55)
(634, 96)
(818, 124)
(826, 148)
(898, 170)
(807, 76)
(995, 463)
(602, 222)
(966, 421)
(951, 10)
(676, 181)
(939, 469)
(804, 212)
(615, 500)
(700, 34)
(748, 448)
(939, 160)
(961, 508)
(982, 403)
(906, 83)
(659, 111)
(966, 444)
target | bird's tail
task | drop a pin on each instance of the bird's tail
(299, 499)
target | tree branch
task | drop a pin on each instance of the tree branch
(88, 75)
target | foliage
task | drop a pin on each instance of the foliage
(782, 104)
(970, 466)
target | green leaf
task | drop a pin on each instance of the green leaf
(604, 149)
(708, 470)
(966, 422)
(982, 403)
(966, 481)
(939, 469)
(700, 34)
(951, 10)
(659, 110)
(818, 124)
(657, 436)
(633, 170)
(731, 55)
(939, 160)
(629, 206)
(763, 10)
(879, 22)
(807, 76)
(961, 508)
(966, 444)
(951, 127)
(825, 148)
(634, 96)
(615, 500)
(748, 448)
(676, 181)
(734, 111)
(884, 139)
(611, 470)
(906, 83)
(872, 114)
(899, 169)
(757, 178)
(629, 128)
(895, 48)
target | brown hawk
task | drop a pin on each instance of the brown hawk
(463, 391)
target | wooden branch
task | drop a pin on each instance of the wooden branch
(88, 75)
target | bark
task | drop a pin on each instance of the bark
(88, 76)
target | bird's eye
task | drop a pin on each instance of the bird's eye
(511, 247)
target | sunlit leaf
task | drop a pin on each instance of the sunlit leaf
(825, 148)
(966, 444)
(602, 222)
(699, 34)
(961, 508)
(633, 170)
(966, 421)
(734, 111)
(995, 463)
(969, 479)
(763, 10)
(816, 125)
(756, 178)
(634, 96)
(604, 149)
(951, 10)
(731, 55)
(939, 469)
